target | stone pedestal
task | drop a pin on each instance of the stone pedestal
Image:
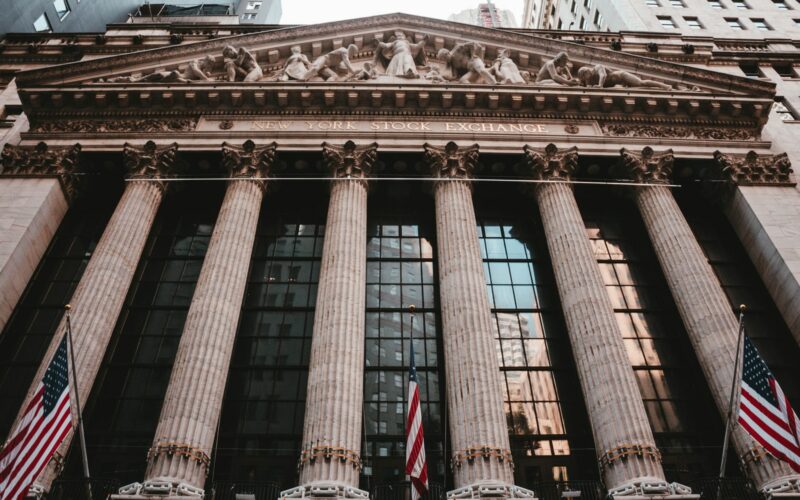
(629, 459)
(481, 457)
(330, 462)
(101, 292)
(706, 313)
(178, 461)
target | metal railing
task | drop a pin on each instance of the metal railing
(558, 490)
(75, 489)
(402, 491)
(230, 490)
(735, 488)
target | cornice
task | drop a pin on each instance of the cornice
(187, 51)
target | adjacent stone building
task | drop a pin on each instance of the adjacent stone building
(241, 216)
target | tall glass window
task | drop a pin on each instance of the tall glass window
(122, 412)
(261, 430)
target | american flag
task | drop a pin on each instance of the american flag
(765, 412)
(416, 465)
(47, 420)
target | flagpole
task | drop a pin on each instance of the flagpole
(734, 384)
(411, 309)
(81, 433)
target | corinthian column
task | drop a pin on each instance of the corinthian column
(100, 294)
(629, 459)
(481, 456)
(178, 461)
(706, 313)
(330, 461)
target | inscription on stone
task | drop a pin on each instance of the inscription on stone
(400, 126)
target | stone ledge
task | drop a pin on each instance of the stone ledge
(327, 491)
(490, 490)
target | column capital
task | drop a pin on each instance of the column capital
(551, 163)
(752, 169)
(248, 161)
(452, 161)
(350, 161)
(648, 166)
(44, 161)
(149, 161)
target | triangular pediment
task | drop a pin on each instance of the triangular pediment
(441, 54)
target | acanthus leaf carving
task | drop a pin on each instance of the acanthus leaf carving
(149, 125)
(551, 163)
(648, 166)
(248, 161)
(680, 132)
(452, 161)
(755, 169)
(149, 162)
(46, 161)
(350, 161)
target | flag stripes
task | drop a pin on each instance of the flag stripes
(416, 464)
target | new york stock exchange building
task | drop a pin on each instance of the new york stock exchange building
(240, 218)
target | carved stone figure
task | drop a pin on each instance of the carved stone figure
(367, 72)
(400, 57)
(506, 69)
(242, 64)
(433, 75)
(328, 66)
(198, 70)
(556, 71)
(600, 76)
(296, 66)
(465, 63)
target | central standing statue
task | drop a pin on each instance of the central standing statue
(400, 57)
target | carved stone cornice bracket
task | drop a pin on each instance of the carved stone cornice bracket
(648, 167)
(753, 169)
(452, 162)
(44, 161)
(149, 162)
(350, 161)
(551, 164)
(249, 162)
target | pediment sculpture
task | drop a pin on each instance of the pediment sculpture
(399, 57)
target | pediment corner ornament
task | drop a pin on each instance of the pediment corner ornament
(149, 162)
(551, 163)
(45, 161)
(350, 161)
(647, 166)
(451, 161)
(752, 169)
(248, 161)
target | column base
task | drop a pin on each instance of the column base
(785, 487)
(325, 490)
(651, 490)
(164, 490)
(493, 490)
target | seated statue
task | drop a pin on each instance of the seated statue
(367, 72)
(506, 69)
(400, 57)
(241, 63)
(296, 66)
(329, 65)
(556, 71)
(197, 70)
(465, 63)
(600, 76)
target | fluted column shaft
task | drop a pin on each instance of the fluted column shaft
(334, 401)
(710, 323)
(615, 407)
(187, 426)
(475, 396)
(101, 292)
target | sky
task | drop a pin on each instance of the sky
(320, 11)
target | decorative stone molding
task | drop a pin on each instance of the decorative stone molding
(451, 161)
(648, 166)
(332, 490)
(550, 163)
(350, 161)
(44, 161)
(752, 169)
(680, 132)
(149, 125)
(249, 162)
(490, 490)
(150, 161)
(649, 489)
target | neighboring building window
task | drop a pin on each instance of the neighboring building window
(41, 24)
(781, 4)
(248, 16)
(741, 4)
(666, 22)
(693, 23)
(560, 24)
(652, 3)
(797, 22)
(583, 23)
(751, 69)
(62, 8)
(761, 25)
(715, 4)
(783, 112)
(678, 4)
(574, 7)
(253, 5)
(785, 70)
(734, 23)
